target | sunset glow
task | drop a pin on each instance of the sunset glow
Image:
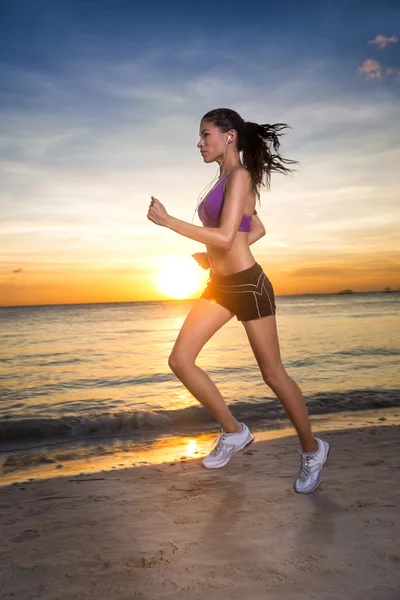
(178, 277)
(97, 119)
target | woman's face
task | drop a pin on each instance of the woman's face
(212, 141)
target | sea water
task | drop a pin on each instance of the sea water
(95, 372)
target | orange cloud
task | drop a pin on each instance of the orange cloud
(381, 41)
(371, 69)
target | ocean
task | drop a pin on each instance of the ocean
(80, 381)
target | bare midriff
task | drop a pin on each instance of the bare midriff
(238, 258)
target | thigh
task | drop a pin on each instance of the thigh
(204, 319)
(263, 337)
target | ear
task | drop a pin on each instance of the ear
(232, 134)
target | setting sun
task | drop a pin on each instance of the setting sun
(179, 277)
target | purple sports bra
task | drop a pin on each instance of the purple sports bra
(210, 209)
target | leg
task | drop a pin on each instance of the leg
(205, 319)
(263, 337)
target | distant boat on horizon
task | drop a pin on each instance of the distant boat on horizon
(346, 292)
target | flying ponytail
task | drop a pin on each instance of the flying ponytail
(259, 143)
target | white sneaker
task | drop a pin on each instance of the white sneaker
(228, 444)
(311, 466)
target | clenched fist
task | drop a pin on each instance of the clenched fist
(157, 212)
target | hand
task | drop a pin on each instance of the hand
(157, 212)
(202, 259)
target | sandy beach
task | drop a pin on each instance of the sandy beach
(177, 530)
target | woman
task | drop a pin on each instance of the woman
(237, 285)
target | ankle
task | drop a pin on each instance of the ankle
(233, 428)
(311, 447)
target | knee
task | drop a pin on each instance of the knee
(177, 362)
(273, 374)
(173, 362)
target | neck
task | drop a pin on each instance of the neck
(228, 163)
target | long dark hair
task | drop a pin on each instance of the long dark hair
(259, 144)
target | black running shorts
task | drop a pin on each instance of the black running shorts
(248, 294)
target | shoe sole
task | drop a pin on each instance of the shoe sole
(229, 457)
(318, 482)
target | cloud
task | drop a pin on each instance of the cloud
(18, 270)
(76, 174)
(346, 268)
(381, 41)
(395, 73)
(324, 271)
(371, 69)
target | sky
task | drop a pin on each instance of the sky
(100, 105)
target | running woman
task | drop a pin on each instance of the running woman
(237, 284)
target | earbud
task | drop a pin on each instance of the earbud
(228, 140)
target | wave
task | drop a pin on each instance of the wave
(46, 430)
(367, 352)
(9, 394)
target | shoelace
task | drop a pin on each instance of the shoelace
(305, 465)
(220, 439)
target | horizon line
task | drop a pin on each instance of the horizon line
(388, 291)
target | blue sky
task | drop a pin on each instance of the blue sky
(100, 107)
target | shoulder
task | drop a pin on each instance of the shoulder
(239, 177)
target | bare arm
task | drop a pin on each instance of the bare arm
(211, 236)
(221, 237)
(257, 231)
